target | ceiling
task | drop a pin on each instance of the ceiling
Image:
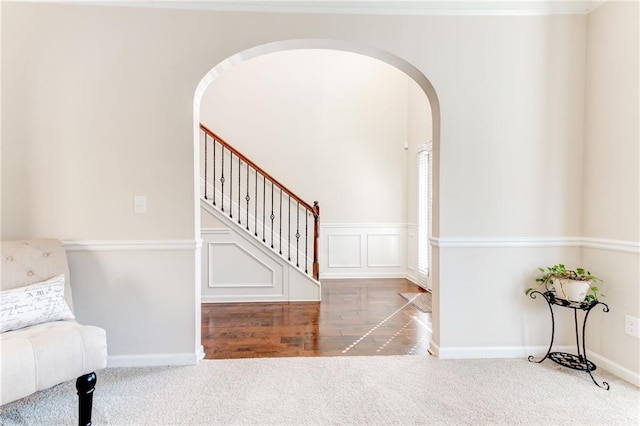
(376, 7)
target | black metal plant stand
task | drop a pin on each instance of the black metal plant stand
(579, 361)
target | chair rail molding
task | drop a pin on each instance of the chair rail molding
(132, 245)
(611, 245)
(534, 242)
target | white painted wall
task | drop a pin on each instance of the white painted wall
(612, 173)
(98, 107)
(330, 125)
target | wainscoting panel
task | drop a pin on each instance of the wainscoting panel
(384, 250)
(232, 266)
(345, 250)
(237, 271)
(363, 251)
(237, 267)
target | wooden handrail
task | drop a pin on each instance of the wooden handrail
(314, 210)
(256, 167)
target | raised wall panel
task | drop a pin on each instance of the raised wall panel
(363, 250)
(235, 269)
(384, 250)
(230, 265)
(344, 251)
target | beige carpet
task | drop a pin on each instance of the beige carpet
(386, 390)
(421, 301)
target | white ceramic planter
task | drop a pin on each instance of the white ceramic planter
(572, 290)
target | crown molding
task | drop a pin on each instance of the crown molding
(367, 7)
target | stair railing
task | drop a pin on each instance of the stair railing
(265, 205)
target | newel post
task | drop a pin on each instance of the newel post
(316, 235)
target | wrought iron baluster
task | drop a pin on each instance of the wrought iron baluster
(316, 234)
(280, 239)
(231, 184)
(272, 215)
(306, 242)
(247, 197)
(289, 227)
(298, 234)
(222, 181)
(255, 205)
(264, 208)
(213, 179)
(206, 157)
(239, 179)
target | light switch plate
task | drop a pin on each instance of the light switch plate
(139, 203)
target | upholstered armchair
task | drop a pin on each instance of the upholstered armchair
(41, 344)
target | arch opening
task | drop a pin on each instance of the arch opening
(307, 44)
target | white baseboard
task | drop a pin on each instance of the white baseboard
(412, 278)
(200, 353)
(434, 349)
(615, 368)
(154, 360)
(244, 299)
(254, 299)
(479, 352)
(357, 275)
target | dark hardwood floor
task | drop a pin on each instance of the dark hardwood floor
(355, 317)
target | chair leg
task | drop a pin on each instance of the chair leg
(85, 386)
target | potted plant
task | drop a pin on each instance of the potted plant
(573, 285)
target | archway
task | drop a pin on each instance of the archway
(305, 44)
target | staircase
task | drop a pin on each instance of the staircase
(264, 242)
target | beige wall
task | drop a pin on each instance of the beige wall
(98, 107)
(127, 101)
(1, 80)
(512, 127)
(611, 207)
(612, 148)
(330, 125)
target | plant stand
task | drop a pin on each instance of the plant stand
(579, 361)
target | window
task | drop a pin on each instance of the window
(424, 214)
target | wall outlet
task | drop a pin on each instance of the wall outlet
(631, 326)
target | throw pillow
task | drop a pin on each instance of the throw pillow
(34, 304)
